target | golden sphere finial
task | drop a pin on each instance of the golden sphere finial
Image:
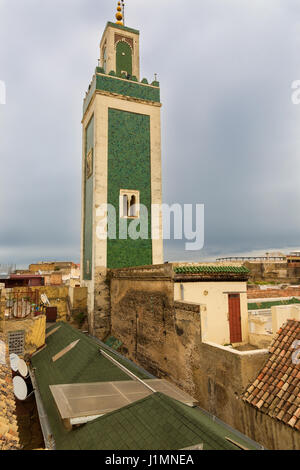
(119, 15)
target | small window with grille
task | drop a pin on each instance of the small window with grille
(16, 342)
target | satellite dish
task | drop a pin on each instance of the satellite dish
(22, 368)
(20, 388)
(14, 361)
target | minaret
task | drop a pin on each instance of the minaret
(121, 166)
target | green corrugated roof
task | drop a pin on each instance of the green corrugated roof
(211, 269)
(156, 422)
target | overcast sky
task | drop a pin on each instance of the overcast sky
(230, 133)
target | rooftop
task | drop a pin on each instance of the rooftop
(210, 272)
(9, 438)
(271, 303)
(276, 391)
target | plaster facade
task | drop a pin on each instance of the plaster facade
(214, 295)
(165, 337)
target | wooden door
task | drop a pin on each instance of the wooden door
(235, 325)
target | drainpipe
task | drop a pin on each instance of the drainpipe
(44, 422)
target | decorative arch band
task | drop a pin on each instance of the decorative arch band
(119, 37)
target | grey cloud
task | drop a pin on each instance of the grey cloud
(230, 132)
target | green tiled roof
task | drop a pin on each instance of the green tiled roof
(264, 305)
(211, 269)
(154, 423)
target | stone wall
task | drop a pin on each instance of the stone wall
(71, 303)
(129, 167)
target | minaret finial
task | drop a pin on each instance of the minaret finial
(119, 15)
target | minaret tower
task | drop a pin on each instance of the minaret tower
(121, 166)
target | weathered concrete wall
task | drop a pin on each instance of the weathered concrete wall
(282, 313)
(141, 325)
(165, 338)
(2, 310)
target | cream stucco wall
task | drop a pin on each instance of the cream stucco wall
(214, 295)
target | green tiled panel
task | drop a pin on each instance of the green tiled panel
(88, 208)
(123, 58)
(129, 168)
(211, 269)
(83, 364)
(122, 87)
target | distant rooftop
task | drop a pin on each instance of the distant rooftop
(7, 269)
(276, 391)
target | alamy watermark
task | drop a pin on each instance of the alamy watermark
(188, 224)
(2, 92)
